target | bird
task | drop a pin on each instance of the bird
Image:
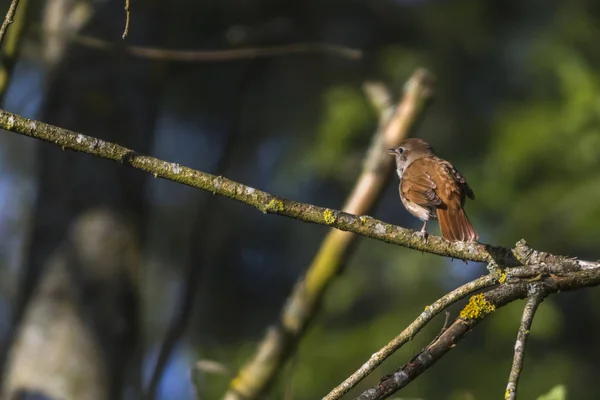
(432, 188)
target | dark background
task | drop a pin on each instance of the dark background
(517, 110)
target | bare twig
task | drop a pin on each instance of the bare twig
(127, 17)
(535, 298)
(11, 45)
(478, 309)
(8, 19)
(407, 334)
(154, 53)
(289, 379)
(446, 320)
(256, 376)
(199, 237)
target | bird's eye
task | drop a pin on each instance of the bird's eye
(400, 150)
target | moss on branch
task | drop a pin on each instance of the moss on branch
(266, 202)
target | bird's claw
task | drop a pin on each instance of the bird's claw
(423, 235)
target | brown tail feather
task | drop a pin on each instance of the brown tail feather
(455, 225)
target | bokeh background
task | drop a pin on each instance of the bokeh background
(517, 110)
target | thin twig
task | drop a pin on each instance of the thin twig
(534, 300)
(258, 374)
(11, 46)
(199, 237)
(289, 379)
(127, 17)
(478, 311)
(407, 334)
(8, 19)
(154, 53)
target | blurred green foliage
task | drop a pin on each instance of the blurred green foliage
(558, 392)
(346, 114)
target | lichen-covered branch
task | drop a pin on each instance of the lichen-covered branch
(478, 308)
(407, 334)
(534, 300)
(269, 203)
(257, 375)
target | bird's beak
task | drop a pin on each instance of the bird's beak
(393, 151)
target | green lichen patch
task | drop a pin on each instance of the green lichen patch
(477, 307)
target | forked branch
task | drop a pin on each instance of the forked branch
(479, 307)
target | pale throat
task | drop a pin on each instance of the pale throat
(400, 171)
(401, 165)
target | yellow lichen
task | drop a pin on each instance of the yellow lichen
(275, 206)
(363, 219)
(426, 308)
(502, 275)
(477, 307)
(329, 216)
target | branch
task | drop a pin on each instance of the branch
(154, 53)
(479, 307)
(271, 204)
(533, 302)
(303, 303)
(127, 18)
(11, 47)
(409, 333)
(8, 19)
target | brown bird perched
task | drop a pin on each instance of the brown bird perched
(430, 186)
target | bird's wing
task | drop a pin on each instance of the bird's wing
(458, 178)
(418, 186)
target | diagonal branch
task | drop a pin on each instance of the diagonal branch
(407, 334)
(10, 41)
(534, 300)
(8, 19)
(479, 307)
(256, 376)
(271, 204)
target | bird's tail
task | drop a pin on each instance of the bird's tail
(455, 225)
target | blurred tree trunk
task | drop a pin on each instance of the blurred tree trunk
(60, 349)
(78, 309)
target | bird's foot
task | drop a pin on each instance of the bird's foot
(423, 233)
